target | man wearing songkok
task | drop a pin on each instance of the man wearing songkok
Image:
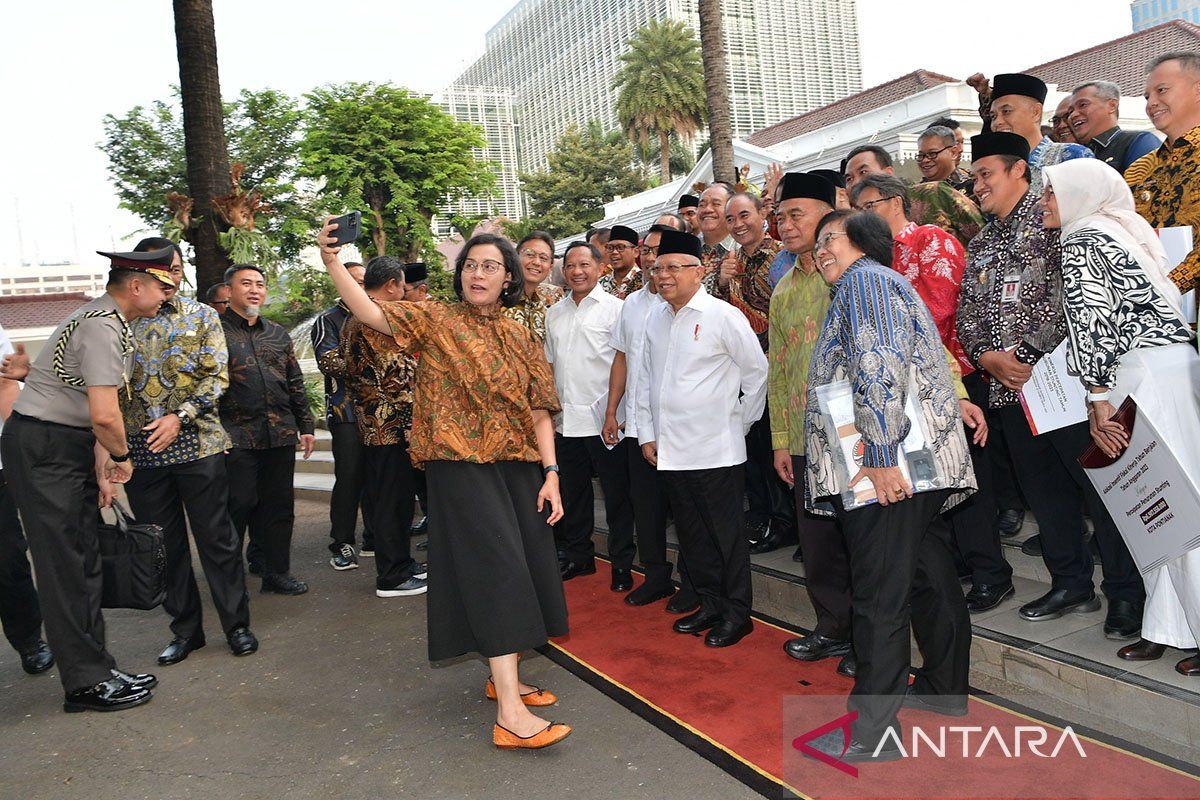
(1095, 112)
(1166, 183)
(63, 447)
(624, 277)
(689, 209)
(1015, 105)
(416, 282)
(1010, 315)
(578, 332)
(700, 353)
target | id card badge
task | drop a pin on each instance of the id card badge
(1010, 292)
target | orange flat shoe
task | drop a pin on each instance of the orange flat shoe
(504, 739)
(535, 699)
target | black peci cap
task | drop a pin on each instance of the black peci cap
(620, 233)
(674, 241)
(689, 201)
(1007, 83)
(807, 185)
(415, 272)
(831, 175)
(999, 143)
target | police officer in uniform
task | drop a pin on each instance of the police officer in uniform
(65, 434)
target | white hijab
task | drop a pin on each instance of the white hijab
(1091, 194)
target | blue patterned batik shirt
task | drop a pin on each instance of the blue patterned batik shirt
(180, 363)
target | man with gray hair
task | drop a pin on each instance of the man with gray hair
(938, 156)
(1095, 110)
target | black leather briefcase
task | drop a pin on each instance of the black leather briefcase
(134, 561)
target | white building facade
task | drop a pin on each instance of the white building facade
(56, 278)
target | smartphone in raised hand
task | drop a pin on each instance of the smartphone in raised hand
(349, 226)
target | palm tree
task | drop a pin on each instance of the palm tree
(716, 91)
(660, 89)
(203, 134)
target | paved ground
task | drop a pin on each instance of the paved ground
(339, 703)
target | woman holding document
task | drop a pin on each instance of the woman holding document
(1128, 336)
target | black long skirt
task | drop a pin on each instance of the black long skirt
(494, 583)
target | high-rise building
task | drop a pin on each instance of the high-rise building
(558, 58)
(491, 108)
(1148, 13)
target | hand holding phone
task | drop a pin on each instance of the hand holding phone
(349, 226)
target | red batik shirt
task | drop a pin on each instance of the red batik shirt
(933, 261)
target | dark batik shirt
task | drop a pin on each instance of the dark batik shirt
(326, 334)
(750, 291)
(379, 382)
(1166, 189)
(1018, 251)
(266, 404)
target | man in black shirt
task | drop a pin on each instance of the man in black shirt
(1095, 108)
(265, 412)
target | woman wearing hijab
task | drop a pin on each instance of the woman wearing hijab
(1128, 336)
(481, 424)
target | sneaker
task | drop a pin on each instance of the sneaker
(410, 587)
(420, 570)
(366, 551)
(344, 558)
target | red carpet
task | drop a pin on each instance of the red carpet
(730, 706)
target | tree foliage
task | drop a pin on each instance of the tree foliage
(587, 169)
(660, 87)
(393, 155)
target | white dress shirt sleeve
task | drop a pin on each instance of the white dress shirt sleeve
(746, 352)
(646, 427)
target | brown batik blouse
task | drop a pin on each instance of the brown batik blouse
(480, 376)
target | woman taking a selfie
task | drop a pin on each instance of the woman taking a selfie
(483, 430)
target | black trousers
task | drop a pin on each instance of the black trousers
(648, 494)
(711, 525)
(161, 495)
(578, 456)
(390, 479)
(261, 500)
(902, 573)
(349, 464)
(768, 496)
(19, 610)
(422, 490)
(1057, 490)
(1004, 475)
(826, 563)
(51, 473)
(974, 521)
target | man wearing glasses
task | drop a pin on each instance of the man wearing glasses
(701, 352)
(938, 158)
(623, 277)
(217, 296)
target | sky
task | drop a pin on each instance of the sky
(66, 64)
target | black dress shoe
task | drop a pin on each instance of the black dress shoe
(36, 657)
(815, 647)
(138, 680)
(1142, 650)
(797, 555)
(281, 583)
(848, 666)
(767, 544)
(986, 596)
(1189, 666)
(1009, 521)
(648, 593)
(832, 744)
(241, 641)
(570, 569)
(685, 601)
(695, 623)
(622, 580)
(254, 568)
(1032, 546)
(726, 634)
(1123, 620)
(111, 695)
(757, 531)
(946, 706)
(178, 650)
(1057, 602)
(419, 526)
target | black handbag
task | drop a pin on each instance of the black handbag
(134, 562)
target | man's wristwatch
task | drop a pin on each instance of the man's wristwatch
(119, 459)
(184, 416)
(547, 470)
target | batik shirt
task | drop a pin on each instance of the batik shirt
(933, 262)
(1111, 307)
(379, 379)
(711, 256)
(750, 290)
(633, 281)
(1017, 252)
(326, 334)
(935, 203)
(531, 311)
(798, 308)
(479, 379)
(1166, 189)
(879, 335)
(1035, 165)
(266, 404)
(180, 363)
(960, 181)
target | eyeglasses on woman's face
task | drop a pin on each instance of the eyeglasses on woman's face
(488, 267)
(826, 238)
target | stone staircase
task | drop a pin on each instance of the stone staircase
(1065, 667)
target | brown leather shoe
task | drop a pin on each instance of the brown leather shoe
(535, 699)
(1189, 666)
(504, 739)
(1142, 650)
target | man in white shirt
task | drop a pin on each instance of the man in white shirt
(578, 330)
(700, 355)
(646, 490)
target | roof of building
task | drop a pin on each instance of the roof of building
(1122, 61)
(847, 107)
(39, 310)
